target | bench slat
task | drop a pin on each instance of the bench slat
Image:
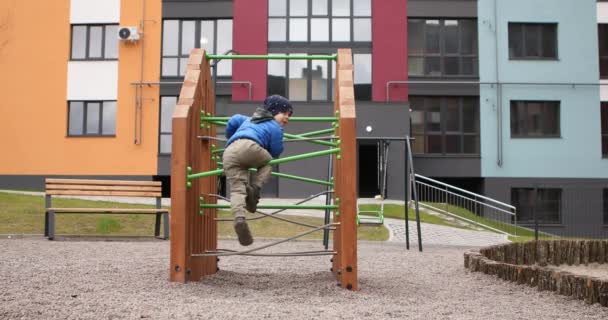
(102, 193)
(103, 182)
(101, 187)
(107, 210)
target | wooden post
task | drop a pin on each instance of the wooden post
(345, 175)
(192, 230)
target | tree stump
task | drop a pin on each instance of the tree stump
(520, 253)
(585, 252)
(576, 252)
(603, 293)
(541, 253)
(557, 252)
(593, 252)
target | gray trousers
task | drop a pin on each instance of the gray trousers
(238, 158)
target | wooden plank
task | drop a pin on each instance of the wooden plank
(102, 193)
(103, 182)
(107, 210)
(179, 260)
(101, 188)
(347, 178)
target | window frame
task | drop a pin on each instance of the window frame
(197, 45)
(602, 30)
(531, 221)
(443, 133)
(545, 104)
(87, 41)
(605, 204)
(309, 16)
(539, 41)
(442, 55)
(85, 104)
(604, 129)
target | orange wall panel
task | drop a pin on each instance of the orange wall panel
(34, 54)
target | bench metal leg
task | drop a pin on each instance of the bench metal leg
(51, 231)
(157, 226)
(166, 225)
(46, 223)
(47, 204)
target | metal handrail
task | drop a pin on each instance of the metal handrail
(465, 219)
(465, 191)
(459, 195)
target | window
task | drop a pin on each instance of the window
(603, 45)
(604, 119)
(310, 80)
(319, 21)
(445, 125)
(548, 205)
(362, 76)
(535, 119)
(532, 40)
(439, 47)
(181, 36)
(167, 106)
(94, 42)
(91, 118)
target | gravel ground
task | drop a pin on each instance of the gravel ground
(42, 279)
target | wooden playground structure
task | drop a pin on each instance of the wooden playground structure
(194, 170)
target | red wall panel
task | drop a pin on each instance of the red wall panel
(250, 28)
(389, 31)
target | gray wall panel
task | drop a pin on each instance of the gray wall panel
(443, 89)
(442, 8)
(581, 203)
(447, 167)
(387, 120)
(197, 9)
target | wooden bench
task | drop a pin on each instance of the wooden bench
(107, 188)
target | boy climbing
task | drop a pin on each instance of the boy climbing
(252, 143)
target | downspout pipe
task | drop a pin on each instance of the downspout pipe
(499, 160)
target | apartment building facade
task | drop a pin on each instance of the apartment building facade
(502, 97)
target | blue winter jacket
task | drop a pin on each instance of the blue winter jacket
(261, 128)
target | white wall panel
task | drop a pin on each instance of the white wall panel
(604, 90)
(95, 11)
(92, 80)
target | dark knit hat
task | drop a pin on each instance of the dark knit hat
(276, 104)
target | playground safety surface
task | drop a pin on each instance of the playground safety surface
(129, 280)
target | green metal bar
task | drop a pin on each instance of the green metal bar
(321, 142)
(274, 206)
(316, 133)
(216, 172)
(271, 57)
(272, 162)
(216, 151)
(220, 120)
(293, 177)
(304, 156)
